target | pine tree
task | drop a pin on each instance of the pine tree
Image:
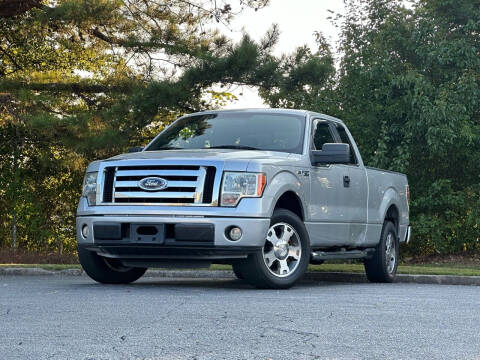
(84, 79)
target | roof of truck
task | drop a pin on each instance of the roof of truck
(270, 110)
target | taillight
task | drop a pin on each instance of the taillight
(407, 193)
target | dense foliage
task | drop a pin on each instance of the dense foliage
(408, 88)
(409, 84)
(84, 79)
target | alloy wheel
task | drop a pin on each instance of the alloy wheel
(282, 250)
(390, 253)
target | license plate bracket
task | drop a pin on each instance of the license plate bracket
(147, 233)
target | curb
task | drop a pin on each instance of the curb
(38, 271)
(227, 274)
(400, 278)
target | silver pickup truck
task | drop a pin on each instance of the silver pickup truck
(267, 191)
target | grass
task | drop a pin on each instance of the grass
(424, 269)
(42, 266)
(428, 269)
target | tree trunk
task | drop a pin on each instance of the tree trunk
(15, 187)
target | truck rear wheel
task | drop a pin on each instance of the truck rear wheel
(107, 271)
(284, 257)
(382, 267)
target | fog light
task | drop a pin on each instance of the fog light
(235, 233)
(85, 231)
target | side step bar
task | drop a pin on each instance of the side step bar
(341, 254)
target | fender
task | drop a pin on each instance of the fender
(390, 197)
(282, 182)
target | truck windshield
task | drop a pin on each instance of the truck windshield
(245, 131)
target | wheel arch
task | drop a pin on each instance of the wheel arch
(393, 215)
(389, 207)
(287, 191)
(289, 200)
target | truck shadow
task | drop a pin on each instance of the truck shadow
(192, 283)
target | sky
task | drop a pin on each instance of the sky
(297, 20)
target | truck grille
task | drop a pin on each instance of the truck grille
(187, 184)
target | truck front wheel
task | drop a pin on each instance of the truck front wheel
(237, 270)
(382, 267)
(107, 271)
(284, 257)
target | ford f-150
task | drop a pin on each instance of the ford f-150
(268, 191)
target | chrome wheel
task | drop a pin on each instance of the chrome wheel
(282, 250)
(390, 253)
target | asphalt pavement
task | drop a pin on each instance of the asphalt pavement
(71, 317)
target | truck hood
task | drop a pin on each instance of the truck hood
(233, 160)
(204, 154)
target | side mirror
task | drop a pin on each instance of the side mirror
(331, 154)
(135, 149)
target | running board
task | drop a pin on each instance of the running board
(342, 254)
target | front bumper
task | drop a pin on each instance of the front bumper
(174, 244)
(153, 256)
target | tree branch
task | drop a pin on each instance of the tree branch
(79, 87)
(11, 8)
(7, 54)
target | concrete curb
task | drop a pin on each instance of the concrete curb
(226, 274)
(401, 278)
(38, 271)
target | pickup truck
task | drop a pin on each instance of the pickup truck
(268, 191)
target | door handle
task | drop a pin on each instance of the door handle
(346, 181)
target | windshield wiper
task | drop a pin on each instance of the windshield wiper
(169, 148)
(240, 147)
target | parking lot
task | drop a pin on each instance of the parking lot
(60, 317)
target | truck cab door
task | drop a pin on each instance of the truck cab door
(327, 225)
(355, 186)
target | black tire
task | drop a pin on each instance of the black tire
(236, 267)
(255, 270)
(377, 268)
(107, 271)
(316, 262)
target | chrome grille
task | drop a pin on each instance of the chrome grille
(186, 184)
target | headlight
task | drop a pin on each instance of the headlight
(236, 185)
(90, 188)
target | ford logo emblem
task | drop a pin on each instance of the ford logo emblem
(153, 184)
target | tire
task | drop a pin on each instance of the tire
(382, 267)
(316, 262)
(236, 267)
(107, 271)
(287, 262)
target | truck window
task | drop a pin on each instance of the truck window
(345, 140)
(322, 134)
